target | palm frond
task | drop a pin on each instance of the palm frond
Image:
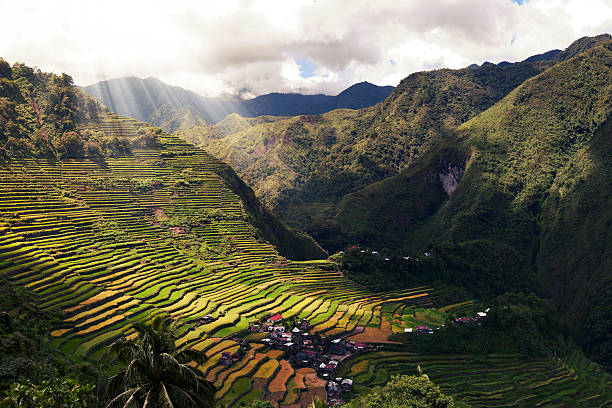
(123, 398)
(185, 355)
(148, 399)
(164, 400)
(185, 399)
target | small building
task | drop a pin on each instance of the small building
(408, 330)
(226, 358)
(295, 330)
(337, 347)
(481, 314)
(423, 330)
(206, 318)
(346, 385)
(329, 369)
(277, 318)
(333, 387)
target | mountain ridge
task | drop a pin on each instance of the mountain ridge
(172, 107)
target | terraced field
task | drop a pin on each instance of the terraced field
(495, 381)
(100, 241)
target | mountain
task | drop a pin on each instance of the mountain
(302, 167)
(172, 107)
(521, 193)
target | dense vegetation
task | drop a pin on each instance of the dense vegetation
(156, 372)
(41, 116)
(31, 369)
(174, 108)
(379, 272)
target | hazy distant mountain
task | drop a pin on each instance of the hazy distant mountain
(172, 107)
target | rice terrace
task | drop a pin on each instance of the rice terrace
(344, 204)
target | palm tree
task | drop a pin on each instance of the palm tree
(156, 374)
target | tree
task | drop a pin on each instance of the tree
(156, 373)
(404, 391)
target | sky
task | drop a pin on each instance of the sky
(252, 47)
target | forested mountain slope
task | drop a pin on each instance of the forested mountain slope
(172, 107)
(301, 167)
(519, 194)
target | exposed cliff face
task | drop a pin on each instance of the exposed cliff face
(381, 214)
(450, 176)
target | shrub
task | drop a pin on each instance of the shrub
(69, 145)
(93, 150)
(58, 393)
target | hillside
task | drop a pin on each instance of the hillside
(172, 107)
(46, 116)
(518, 194)
(302, 167)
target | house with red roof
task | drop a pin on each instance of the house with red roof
(277, 318)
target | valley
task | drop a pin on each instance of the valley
(452, 235)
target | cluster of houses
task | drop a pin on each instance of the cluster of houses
(477, 318)
(419, 330)
(311, 350)
(363, 251)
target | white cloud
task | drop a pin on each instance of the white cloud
(250, 46)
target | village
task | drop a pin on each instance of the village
(323, 354)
